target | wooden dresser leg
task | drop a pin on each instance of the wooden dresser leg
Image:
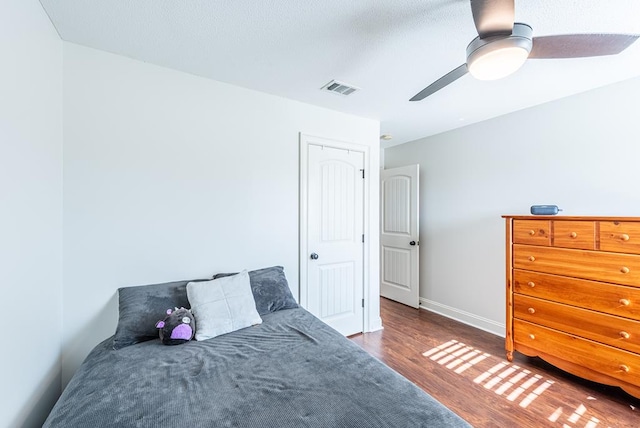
(509, 356)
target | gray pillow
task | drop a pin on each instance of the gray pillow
(270, 289)
(140, 307)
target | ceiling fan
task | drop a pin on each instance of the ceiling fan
(502, 46)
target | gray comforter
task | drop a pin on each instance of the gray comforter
(290, 371)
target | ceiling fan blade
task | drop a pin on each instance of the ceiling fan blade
(493, 16)
(580, 45)
(450, 77)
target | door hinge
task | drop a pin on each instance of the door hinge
(363, 238)
(362, 173)
(363, 303)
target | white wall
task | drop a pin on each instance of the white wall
(580, 153)
(30, 212)
(170, 176)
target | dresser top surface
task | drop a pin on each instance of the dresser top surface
(569, 217)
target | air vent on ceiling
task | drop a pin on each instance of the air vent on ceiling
(339, 88)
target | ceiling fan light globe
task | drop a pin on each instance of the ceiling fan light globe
(498, 63)
(498, 56)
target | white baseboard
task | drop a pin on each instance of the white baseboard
(375, 325)
(464, 317)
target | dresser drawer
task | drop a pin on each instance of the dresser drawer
(620, 237)
(599, 266)
(610, 361)
(574, 234)
(600, 296)
(608, 329)
(536, 232)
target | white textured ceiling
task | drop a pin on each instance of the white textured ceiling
(389, 48)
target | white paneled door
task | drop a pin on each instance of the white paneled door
(399, 237)
(335, 235)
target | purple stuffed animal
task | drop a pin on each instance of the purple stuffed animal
(179, 326)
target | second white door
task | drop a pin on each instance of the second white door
(335, 237)
(399, 235)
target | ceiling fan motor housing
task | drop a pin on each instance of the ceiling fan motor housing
(498, 56)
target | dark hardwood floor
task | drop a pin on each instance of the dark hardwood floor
(466, 370)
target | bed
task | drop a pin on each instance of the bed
(292, 370)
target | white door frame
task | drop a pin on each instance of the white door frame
(305, 141)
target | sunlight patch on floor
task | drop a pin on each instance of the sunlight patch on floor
(507, 380)
(463, 356)
(575, 417)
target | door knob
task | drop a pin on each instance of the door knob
(314, 256)
(412, 243)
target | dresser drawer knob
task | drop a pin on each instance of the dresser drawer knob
(624, 269)
(624, 302)
(532, 232)
(531, 336)
(624, 335)
(531, 311)
(532, 259)
(531, 284)
(624, 368)
(624, 237)
(573, 235)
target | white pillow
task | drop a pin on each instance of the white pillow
(222, 305)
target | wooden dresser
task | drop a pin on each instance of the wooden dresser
(573, 295)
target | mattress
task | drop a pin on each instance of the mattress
(290, 371)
